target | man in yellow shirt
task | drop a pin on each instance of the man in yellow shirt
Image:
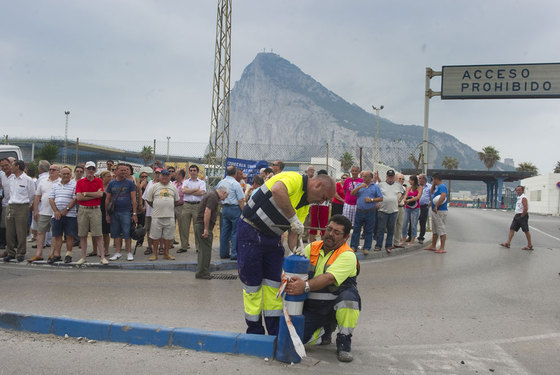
(280, 204)
(333, 295)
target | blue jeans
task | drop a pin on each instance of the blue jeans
(120, 224)
(410, 217)
(385, 221)
(228, 231)
(367, 219)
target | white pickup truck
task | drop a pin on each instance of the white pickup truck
(10, 150)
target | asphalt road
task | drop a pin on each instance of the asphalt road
(479, 308)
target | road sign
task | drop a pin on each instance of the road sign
(507, 81)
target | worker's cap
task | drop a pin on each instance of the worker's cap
(90, 164)
(390, 172)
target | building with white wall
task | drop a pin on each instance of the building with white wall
(542, 194)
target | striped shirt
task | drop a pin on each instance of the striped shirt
(63, 195)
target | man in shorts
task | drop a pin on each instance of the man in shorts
(63, 203)
(439, 214)
(520, 220)
(42, 210)
(163, 197)
(89, 191)
(121, 193)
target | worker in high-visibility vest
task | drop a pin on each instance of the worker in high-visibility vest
(333, 294)
(279, 205)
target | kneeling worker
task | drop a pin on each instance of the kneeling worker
(333, 295)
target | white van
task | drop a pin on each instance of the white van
(10, 150)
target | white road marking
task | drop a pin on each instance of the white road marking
(70, 269)
(546, 234)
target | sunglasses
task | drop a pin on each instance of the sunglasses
(143, 176)
(91, 168)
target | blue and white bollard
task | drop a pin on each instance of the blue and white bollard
(294, 265)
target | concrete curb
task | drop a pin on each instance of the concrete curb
(143, 334)
(219, 265)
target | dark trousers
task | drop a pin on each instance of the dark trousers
(204, 251)
(424, 212)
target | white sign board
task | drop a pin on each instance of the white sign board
(501, 81)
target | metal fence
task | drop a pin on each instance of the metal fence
(394, 155)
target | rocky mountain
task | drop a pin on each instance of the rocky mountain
(278, 111)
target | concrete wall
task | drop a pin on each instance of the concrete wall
(542, 194)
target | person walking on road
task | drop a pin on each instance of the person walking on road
(520, 220)
(439, 214)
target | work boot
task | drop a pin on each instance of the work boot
(343, 356)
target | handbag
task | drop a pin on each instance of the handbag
(111, 204)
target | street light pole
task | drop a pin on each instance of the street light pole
(376, 154)
(168, 138)
(65, 155)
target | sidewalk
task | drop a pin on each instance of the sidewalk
(183, 261)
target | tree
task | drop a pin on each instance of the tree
(346, 161)
(146, 154)
(489, 156)
(416, 160)
(557, 168)
(527, 167)
(48, 152)
(449, 163)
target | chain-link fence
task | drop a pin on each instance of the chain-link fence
(336, 158)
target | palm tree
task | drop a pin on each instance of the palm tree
(346, 161)
(146, 154)
(527, 167)
(450, 163)
(489, 156)
(557, 167)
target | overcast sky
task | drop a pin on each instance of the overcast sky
(142, 69)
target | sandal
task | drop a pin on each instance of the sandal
(527, 248)
(92, 254)
(148, 251)
(504, 244)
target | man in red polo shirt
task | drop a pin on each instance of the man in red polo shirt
(89, 191)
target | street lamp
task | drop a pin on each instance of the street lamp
(64, 156)
(376, 155)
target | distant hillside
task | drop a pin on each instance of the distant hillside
(275, 103)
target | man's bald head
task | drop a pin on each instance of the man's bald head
(320, 188)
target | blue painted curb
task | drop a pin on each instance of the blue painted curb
(143, 334)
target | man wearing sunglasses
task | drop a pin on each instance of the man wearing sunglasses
(89, 191)
(332, 297)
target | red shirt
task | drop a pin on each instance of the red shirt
(340, 191)
(84, 185)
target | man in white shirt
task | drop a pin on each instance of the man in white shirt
(231, 211)
(387, 211)
(193, 191)
(42, 210)
(520, 220)
(22, 192)
(5, 172)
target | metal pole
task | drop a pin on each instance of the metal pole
(327, 159)
(167, 158)
(65, 154)
(77, 148)
(376, 151)
(154, 152)
(427, 96)
(360, 158)
(236, 145)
